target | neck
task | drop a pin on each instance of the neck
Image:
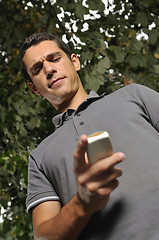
(75, 101)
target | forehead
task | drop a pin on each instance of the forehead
(39, 51)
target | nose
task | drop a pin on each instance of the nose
(49, 75)
(49, 69)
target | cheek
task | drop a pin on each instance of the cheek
(38, 85)
(39, 81)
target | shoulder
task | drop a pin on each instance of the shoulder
(138, 87)
(135, 90)
(141, 91)
(131, 93)
(38, 153)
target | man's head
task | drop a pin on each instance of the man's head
(35, 39)
(52, 70)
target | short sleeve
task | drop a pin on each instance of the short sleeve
(39, 188)
(150, 99)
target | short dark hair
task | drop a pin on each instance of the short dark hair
(35, 39)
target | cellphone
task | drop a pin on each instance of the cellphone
(99, 146)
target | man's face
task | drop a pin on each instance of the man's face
(54, 76)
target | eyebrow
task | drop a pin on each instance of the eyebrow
(51, 55)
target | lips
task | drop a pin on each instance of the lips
(55, 81)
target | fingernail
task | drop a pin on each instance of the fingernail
(122, 156)
(82, 140)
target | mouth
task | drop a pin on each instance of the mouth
(55, 81)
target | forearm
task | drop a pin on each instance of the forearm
(67, 225)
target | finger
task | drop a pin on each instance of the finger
(105, 191)
(101, 167)
(103, 180)
(107, 163)
(79, 154)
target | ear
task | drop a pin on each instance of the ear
(33, 88)
(75, 61)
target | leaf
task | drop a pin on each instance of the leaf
(133, 62)
(86, 56)
(156, 55)
(127, 81)
(156, 68)
(34, 122)
(80, 10)
(142, 18)
(102, 65)
(134, 46)
(119, 54)
(152, 37)
(91, 81)
(23, 132)
(93, 5)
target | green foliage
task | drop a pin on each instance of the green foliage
(116, 47)
(13, 175)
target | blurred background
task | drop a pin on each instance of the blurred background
(117, 43)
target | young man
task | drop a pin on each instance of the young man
(78, 204)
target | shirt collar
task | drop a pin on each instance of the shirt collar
(59, 119)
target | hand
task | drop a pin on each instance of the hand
(95, 182)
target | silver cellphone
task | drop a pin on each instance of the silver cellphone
(99, 146)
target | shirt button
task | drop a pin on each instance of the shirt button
(78, 114)
(81, 123)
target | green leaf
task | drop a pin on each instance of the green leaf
(156, 55)
(135, 45)
(156, 68)
(86, 56)
(142, 18)
(34, 122)
(92, 82)
(22, 131)
(103, 65)
(93, 5)
(119, 54)
(153, 37)
(133, 62)
(80, 10)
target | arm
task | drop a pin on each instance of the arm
(50, 221)
(94, 185)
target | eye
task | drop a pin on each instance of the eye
(53, 58)
(37, 69)
(56, 59)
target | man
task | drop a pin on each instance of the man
(78, 204)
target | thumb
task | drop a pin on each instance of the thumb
(79, 155)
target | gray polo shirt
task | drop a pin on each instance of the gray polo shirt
(131, 116)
